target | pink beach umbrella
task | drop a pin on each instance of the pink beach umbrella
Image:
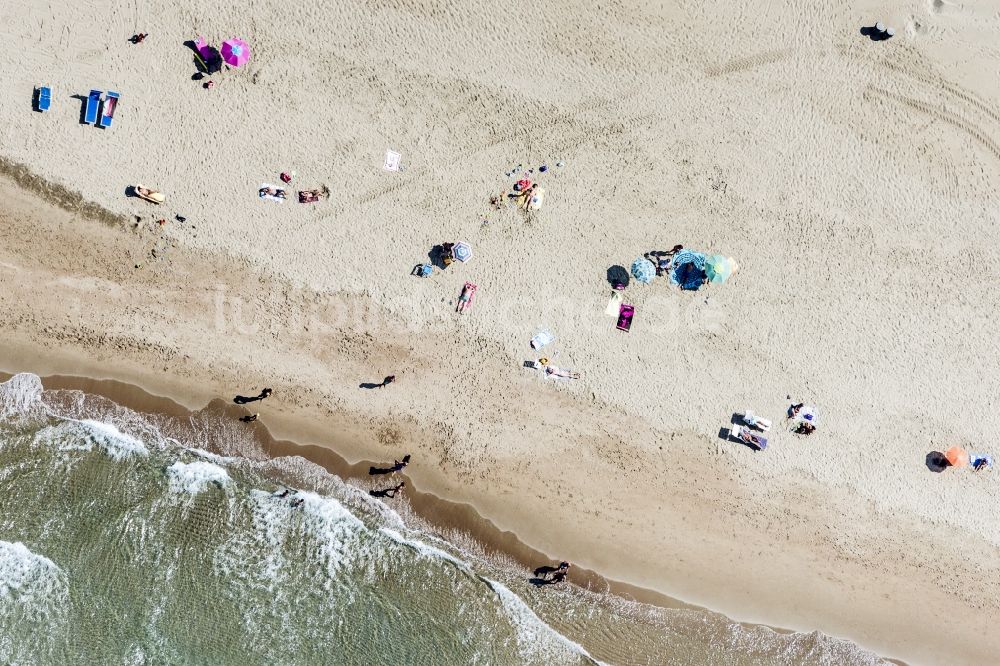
(235, 52)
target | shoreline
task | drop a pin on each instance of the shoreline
(437, 512)
(759, 600)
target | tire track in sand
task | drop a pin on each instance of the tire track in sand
(938, 113)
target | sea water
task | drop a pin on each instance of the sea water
(130, 538)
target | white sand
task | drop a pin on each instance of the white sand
(854, 182)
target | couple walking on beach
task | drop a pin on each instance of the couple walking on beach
(546, 575)
(242, 400)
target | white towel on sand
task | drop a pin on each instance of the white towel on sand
(269, 196)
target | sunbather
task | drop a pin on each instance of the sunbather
(805, 428)
(272, 192)
(752, 439)
(464, 298)
(559, 372)
(309, 196)
(524, 199)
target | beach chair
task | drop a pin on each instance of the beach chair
(755, 421)
(108, 109)
(43, 99)
(625, 313)
(93, 104)
(745, 436)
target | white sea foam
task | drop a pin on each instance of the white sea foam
(114, 442)
(21, 394)
(26, 576)
(207, 455)
(196, 476)
(426, 550)
(537, 641)
(333, 526)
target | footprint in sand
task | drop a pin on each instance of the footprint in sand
(944, 7)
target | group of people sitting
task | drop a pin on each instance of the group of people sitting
(803, 427)
(662, 258)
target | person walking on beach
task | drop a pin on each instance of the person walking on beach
(388, 380)
(265, 394)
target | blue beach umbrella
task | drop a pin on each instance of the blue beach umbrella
(462, 251)
(643, 270)
(687, 269)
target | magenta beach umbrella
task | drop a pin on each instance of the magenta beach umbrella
(235, 52)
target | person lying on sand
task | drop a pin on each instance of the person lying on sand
(559, 372)
(272, 192)
(751, 439)
(310, 196)
(523, 199)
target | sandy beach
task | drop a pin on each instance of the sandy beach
(853, 181)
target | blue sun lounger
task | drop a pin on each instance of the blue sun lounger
(108, 110)
(93, 103)
(44, 99)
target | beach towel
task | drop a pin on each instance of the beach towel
(542, 338)
(625, 314)
(269, 196)
(537, 199)
(975, 458)
(613, 305)
(392, 159)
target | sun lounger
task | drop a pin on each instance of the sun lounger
(625, 313)
(43, 99)
(93, 104)
(745, 436)
(541, 339)
(755, 421)
(108, 109)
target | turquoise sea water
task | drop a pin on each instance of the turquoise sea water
(131, 538)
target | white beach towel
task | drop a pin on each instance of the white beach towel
(614, 305)
(537, 198)
(270, 196)
(542, 338)
(392, 159)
